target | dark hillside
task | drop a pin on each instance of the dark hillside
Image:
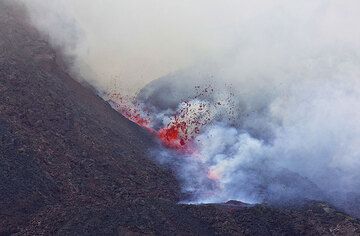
(60, 143)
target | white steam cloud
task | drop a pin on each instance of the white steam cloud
(130, 43)
(293, 67)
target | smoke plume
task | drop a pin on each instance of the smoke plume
(280, 81)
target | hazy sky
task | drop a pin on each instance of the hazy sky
(135, 41)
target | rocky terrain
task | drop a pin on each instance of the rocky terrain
(71, 165)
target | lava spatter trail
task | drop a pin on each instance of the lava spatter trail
(180, 128)
(127, 106)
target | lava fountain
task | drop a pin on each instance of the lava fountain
(178, 129)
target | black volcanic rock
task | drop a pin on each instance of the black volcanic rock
(60, 143)
(311, 218)
(70, 165)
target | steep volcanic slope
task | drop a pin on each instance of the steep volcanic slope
(69, 164)
(60, 142)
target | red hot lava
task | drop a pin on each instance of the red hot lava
(185, 123)
(179, 133)
(172, 136)
(127, 108)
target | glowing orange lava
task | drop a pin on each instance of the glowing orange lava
(177, 134)
(174, 135)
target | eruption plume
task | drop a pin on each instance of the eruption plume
(256, 101)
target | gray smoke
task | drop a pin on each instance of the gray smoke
(300, 144)
(296, 133)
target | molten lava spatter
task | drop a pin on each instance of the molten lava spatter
(171, 135)
(180, 127)
(174, 135)
(184, 125)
